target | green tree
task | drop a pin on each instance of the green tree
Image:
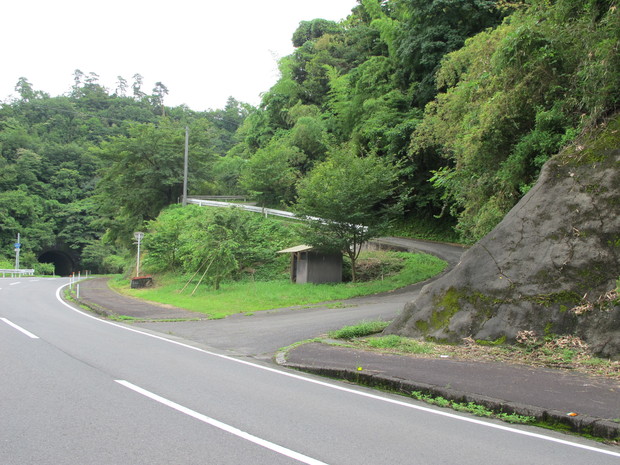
(74, 223)
(346, 202)
(270, 176)
(311, 30)
(227, 241)
(137, 86)
(25, 90)
(226, 173)
(26, 214)
(432, 29)
(218, 254)
(159, 92)
(53, 151)
(309, 136)
(514, 96)
(143, 174)
(164, 240)
(228, 121)
(121, 86)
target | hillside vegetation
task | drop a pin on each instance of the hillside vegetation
(549, 268)
(81, 172)
(462, 101)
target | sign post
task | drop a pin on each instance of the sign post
(17, 248)
(138, 237)
(185, 167)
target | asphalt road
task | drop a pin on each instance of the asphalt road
(262, 334)
(79, 390)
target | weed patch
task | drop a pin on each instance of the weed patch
(473, 408)
(402, 344)
(365, 328)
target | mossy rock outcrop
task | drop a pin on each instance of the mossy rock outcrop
(550, 266)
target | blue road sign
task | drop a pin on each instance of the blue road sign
(17, 245)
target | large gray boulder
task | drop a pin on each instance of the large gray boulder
(550, 266)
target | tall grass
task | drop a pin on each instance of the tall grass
(365, 328)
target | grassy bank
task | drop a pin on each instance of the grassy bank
(249, 296)
(554, 351)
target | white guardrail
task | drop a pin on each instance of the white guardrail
(251, 208)
(12, 273)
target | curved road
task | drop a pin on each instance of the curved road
(263, 333)
(80, 390)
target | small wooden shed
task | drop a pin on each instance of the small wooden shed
(312, 266)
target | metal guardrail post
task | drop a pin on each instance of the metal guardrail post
(14, 272)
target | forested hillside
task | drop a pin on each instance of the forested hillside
(96, 164)
(466, 99)
(462, 100)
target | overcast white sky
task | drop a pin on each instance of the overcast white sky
(203, 50)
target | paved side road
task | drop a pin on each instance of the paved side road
(546, 394)
(97, 295)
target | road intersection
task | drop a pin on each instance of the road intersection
(88, 390)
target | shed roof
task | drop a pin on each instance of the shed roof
(297, 248)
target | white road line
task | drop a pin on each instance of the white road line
(346, 389)
(13, 284)
(223, 426)
(19, 328)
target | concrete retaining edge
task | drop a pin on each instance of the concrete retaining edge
(581, 424)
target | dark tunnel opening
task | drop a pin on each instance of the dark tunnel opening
(63, 265)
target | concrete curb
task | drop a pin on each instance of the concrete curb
(582, 424)
(88, 305)
(93, 307)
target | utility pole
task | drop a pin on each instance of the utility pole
(185, 165)
(17, 248)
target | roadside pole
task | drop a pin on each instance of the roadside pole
(138, 237)
(17, 248)
(185, 166)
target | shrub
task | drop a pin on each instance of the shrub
(230, 242)
(45, 269)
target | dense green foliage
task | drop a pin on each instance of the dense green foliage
(75, 167)
(468, 99)
(514, 96)
(218, 242)
(345, 203)
(463, 100)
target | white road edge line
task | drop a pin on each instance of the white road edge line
(223, 426)
(343, 388)
(20, 329)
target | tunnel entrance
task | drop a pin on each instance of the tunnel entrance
(63, 265)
